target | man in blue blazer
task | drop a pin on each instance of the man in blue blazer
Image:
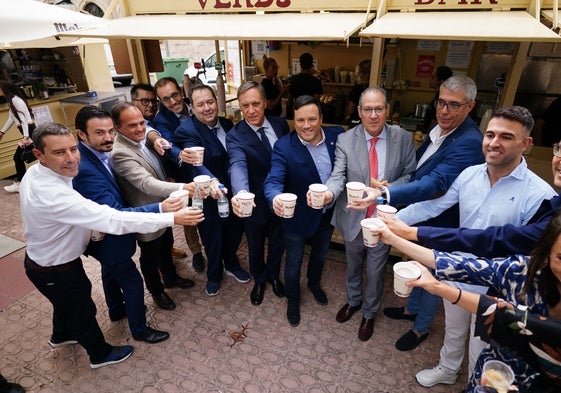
(299, 159)
(221, 237)
(249, 149)
(122, 283)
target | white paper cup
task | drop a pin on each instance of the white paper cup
(317, 191)
(402, 273)
(200, 155)
(245, 200)
(498, 374)
(97, 236)
(355, 190)
(370, 237)
(203, 182)
(288, 201)
(183, 194)
(386, 211)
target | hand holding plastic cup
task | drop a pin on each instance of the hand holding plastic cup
(183, 194)
(386, 211)
(246, 201)
(200, 152)
(317, 193)
(498, 375)
(288, 202)
(369, 236)
(355, 191)
(404, 272)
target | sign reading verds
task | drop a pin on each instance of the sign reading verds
(244, 3)
(63, 27)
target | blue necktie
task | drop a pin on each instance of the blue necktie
(265, 140)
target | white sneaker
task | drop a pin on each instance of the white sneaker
(13, 188)
(439, 374)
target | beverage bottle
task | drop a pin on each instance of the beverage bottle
(197, 200)
(223, 204)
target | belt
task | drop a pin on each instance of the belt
(31, 265)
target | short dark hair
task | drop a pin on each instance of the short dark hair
(141, 86)
(306, 61)
(164, 81)
(118, 108)
(200, 86)
(46, 129)
(89, 112)
(518, 114)
(306, 100)
(252, 85)
(442, 73)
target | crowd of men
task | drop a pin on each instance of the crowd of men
(116, 181)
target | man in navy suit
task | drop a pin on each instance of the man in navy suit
(299, 159)
(221, 237)
(122, 283)
(249, 148)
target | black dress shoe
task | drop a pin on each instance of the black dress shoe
(164, 301)
(152, 336)
(398, 313)
(180, 282)
(293, 314)
(278, 287)
(198, 262)
(366, 329)
(346, 312)
(10, 387)
(410, 340)
(319, 295)
(257, 294)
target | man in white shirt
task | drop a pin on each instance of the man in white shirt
(58, 222)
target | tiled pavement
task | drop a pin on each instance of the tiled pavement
(320, 355)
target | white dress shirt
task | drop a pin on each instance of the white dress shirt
(58, 220)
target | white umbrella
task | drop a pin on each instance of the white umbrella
(26, 20)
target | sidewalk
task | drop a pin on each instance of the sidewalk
(320, 355)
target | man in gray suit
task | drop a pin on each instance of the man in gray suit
(393, 158)
(143, 180)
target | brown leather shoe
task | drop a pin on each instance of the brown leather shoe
(366, 329)
(346, 312)
(178, 253)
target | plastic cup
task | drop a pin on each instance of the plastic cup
(200, 155)
(386, 211)
(245, 200)
(203, 182)
(317, 191)
(498, 374)
(404, 272)
(355, 190)
(369, 237)
(183, 194)
(288, 201)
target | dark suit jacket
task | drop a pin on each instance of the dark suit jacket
(250, 163)
(293, 170)
(432, 179)
(494, 241)
(215, 163)
(166, 122)
(96, 183)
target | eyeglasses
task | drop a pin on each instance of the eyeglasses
(147, 101)
(368, 111)
(452, 106)
(557, 150)
(176, 96)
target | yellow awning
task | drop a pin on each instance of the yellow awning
(281, 26)
(514, 26)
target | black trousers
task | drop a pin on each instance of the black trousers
(155, 258)
(19, 164)
(70, 293)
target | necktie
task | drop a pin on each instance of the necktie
(264, 139)
(154, 161)
(373, 162)
(106, 164)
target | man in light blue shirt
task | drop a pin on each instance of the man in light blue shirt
(501, 191)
